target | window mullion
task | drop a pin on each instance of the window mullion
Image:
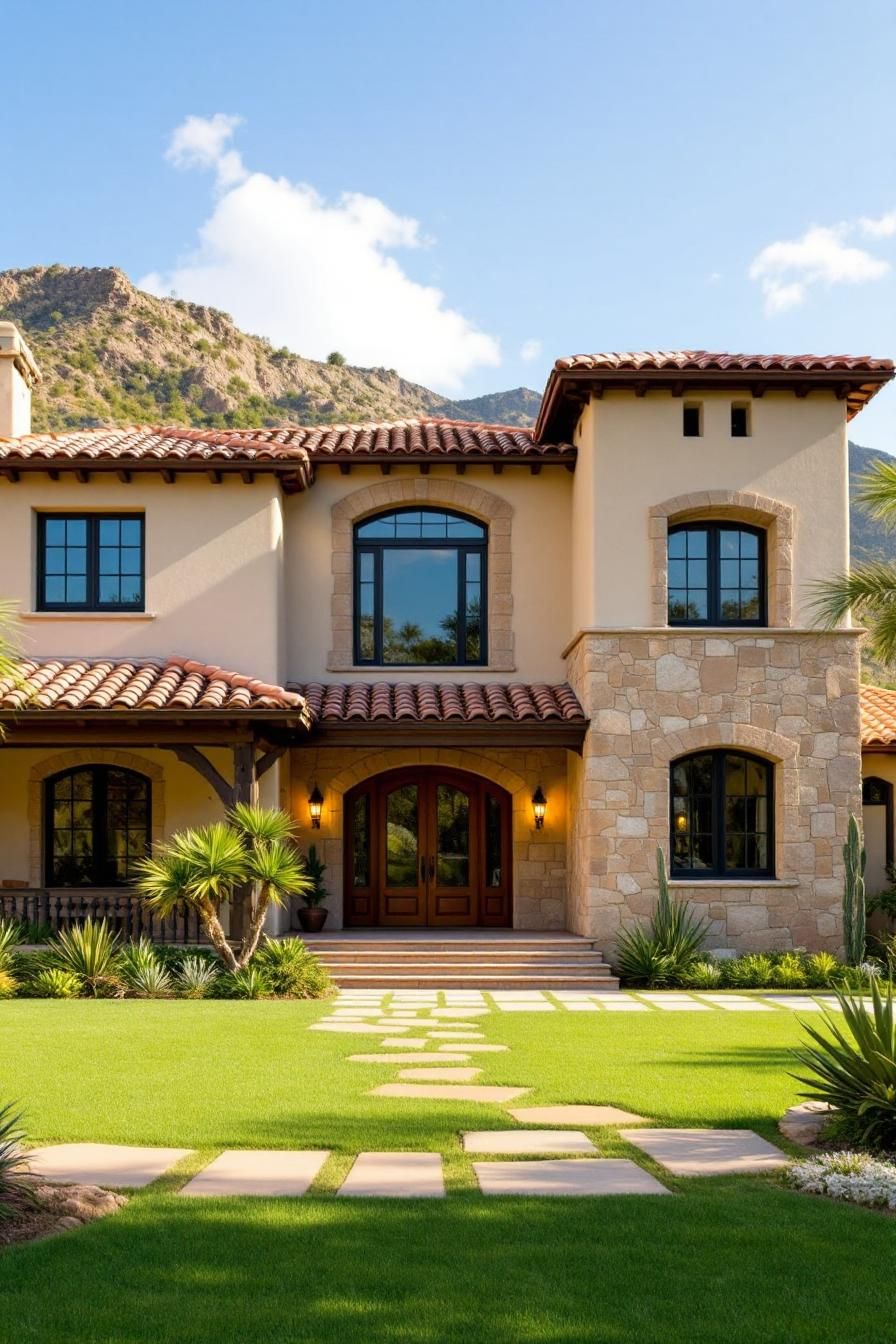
(718, 827)
(93, 561)
(100, 822)
(379, 605)
(460, 650)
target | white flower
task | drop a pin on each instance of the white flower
(855, 1177)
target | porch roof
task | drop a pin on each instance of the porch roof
(878, 717)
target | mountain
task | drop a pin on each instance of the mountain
(112, 353)
(868, 540)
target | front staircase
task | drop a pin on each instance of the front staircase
(461, 959)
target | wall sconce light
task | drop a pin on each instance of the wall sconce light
(539, 807)
(315, 807)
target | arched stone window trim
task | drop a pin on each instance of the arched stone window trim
(741, 506)
(482, 504)
(70, 760)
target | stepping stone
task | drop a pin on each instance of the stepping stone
(742, 1005)
(455, 1035)
(590, 1116)
(518, 995)
(449, 1092)
(256, 1171)
(396, 1058)
(526, 1007)
(395, 1176)
(357, 1027)
(442, 1075)
(682, 1006)
(513, 1141)
(458, 997)
(707, 1152)
(406, 1042)
(581, 1007)
(567, 1176)
(399, 1023)
(459, 1012)
(800, 1005)
(624, 1006)
(102, 1163)
(474, 1047)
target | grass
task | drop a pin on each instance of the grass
(735, 1259)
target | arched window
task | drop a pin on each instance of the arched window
(717, 574)
(420, 589)
(722, 815)
(97, 826)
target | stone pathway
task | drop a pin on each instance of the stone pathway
(592, 1116)
(446, 1006)
(257, 1172)
(395, 1176)
(567, 1176)
(516, 1141)
(103, 1164)
(449, 1092)
(707, 1152)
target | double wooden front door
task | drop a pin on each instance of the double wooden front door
(427, 847)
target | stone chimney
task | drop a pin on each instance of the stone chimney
(18, 374)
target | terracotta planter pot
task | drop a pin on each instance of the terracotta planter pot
(312, 918)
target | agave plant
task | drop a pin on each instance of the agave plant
(150, 980)
(207, 867)
(290, 968)
(11, 934)
(853, 1068)
(15, 1188)
(195, 978)
(55, 983)
(89, 951)
(664, 952)
(246, 983)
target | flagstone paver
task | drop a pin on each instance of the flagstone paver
(396, 1058)
(360, 1028)
(581, 1007)
(567, 1176)
(406, 1042)
(115, 1164)
(741, 1005)
(526, 1007)
(797, 1002)
(459, 1012)
(438, 1075)
(395, 1176)
(589, 1116)
(456, 1035)
(475, 1047)
(707, 1152)
(625, 1006)
(515, 1141)
(682, 1006)
(449, 1092)
(256, 1171)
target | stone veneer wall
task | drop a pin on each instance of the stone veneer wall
(792, 697)
(539, 857)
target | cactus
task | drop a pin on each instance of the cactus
(854, 894)
(663, 914)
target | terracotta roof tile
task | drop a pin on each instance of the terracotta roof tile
(441, 702)
(703, 360)
(137, 685)
(878, 716)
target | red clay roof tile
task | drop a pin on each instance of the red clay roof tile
(878, 716)
(442, 702)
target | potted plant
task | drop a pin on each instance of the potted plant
(312, 915)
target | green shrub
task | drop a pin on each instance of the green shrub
(821, 968)
(662, 953)
(289, 968)
(753, 971)
(9, 985)
(789, 971)
(16, 1192)
(88, 950)
(11, 932)
(54, 983)
(249, 983)
(853, 1068)
(195, 977)
(703, 975)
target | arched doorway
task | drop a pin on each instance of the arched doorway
(427, 846)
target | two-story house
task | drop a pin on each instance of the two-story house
(487, 669)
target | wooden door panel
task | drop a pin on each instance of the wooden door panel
(453, 850)
(402, 826)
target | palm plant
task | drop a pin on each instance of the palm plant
(9, 662)
(854, 1070)
(868, 590)
(208, 867)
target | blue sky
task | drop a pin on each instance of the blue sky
(566, 178)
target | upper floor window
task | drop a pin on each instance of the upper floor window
(716, 574)
(90, 562)
(721, 815)
(420, 589)
(97, 826)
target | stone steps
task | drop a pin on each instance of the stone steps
(399, 979)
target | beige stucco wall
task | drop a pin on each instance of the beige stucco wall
(881, 765)
(539, 857)
(213, 564)
(796, 454)
(540, 558)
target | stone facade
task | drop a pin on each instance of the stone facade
(791, 697)
(540, 879)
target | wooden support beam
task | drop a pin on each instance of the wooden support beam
(264, 763)
(535, 468)
(169, 476)
(11, 474)
(192, 756)
(344, 468)
(247, 477)
(424, 468)
(244, 778)
(386, 468)
(53, 473)
(124, 476)
(215, 476)
(497, 468)
(82, 475)
(460, 468)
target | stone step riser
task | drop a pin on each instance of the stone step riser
(387, 982)
(464, 958)
(360, 965)
(457, 946)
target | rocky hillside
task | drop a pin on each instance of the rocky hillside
(110, 353)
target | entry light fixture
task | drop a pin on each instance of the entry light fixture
(315, 807)
(539, 807)
(681, 822)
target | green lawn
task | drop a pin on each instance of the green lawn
(739, 1259)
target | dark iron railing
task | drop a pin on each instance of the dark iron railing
(124, 912)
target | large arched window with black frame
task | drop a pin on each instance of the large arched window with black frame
(420, 589)
(97, 826)
(717, 574)
(722, 815)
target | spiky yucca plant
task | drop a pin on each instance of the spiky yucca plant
(196, 977)
(15, 1189)
(853, 1068)
(89, 951)
(290, 968)
(663, 952)
(55, 983)
(205, 868)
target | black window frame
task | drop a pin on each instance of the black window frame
(100, 828)
(714, 530)
(92, 521)
(719, 870)
(463, 547)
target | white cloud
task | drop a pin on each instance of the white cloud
(530, 350)
(883, 227)
(786, 270)
(313, 274)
